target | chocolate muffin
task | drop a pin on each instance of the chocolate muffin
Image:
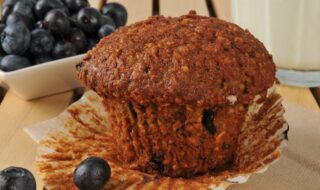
(177, 91)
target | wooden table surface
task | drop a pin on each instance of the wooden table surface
(17, 149)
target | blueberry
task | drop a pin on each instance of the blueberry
(44, 6)
(16, 18)
(13, 2)
(42, 59)
(208, 121)
(15, 178)
(117, 12)
(74, 16)
(88, 20)
(23, 9)
(42, 42)
(73, 20)
(40, 24)
(9, 2)
(63, 49)
(75, 5)
(105, 30)
(12, 63)
(6, 11)
(92, 174)
(26, 11)
(78, 39)
(107, 20)
(2, 27)
(15, 39)
(32, 3)
(156, 161)
(57, 22)
(91, 43)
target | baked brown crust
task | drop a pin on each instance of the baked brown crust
(187, 60)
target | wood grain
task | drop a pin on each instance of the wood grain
(16, 148)
(301, 96)
(182, 7)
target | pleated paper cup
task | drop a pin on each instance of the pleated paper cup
(83, 130)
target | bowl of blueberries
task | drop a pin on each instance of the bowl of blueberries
(41, 41)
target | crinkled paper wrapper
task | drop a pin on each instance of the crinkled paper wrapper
(83, 130)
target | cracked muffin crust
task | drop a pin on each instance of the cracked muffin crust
(190, 59)
(177, 91)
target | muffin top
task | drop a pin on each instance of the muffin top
(187, 60)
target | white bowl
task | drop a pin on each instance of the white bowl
(43, 79)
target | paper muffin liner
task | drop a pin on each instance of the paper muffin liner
(82, 130)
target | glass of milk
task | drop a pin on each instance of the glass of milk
(290, 29)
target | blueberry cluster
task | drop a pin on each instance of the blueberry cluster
(38, 31)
